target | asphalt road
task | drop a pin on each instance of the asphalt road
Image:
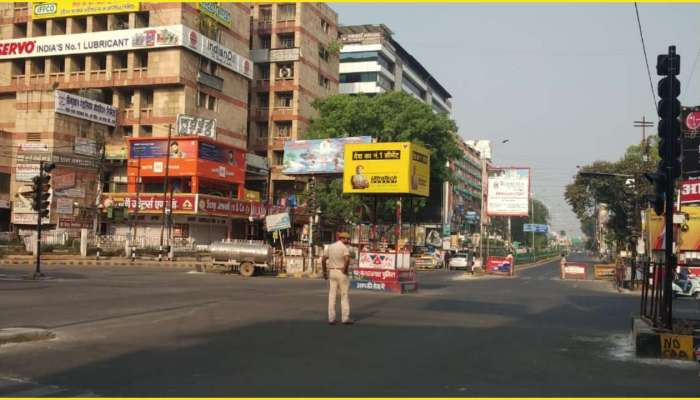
(134, 331)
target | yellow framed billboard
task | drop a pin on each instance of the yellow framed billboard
(58, 9)
(386, 168)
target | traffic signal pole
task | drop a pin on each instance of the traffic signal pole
(39, 188)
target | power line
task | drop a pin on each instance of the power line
(646, 59)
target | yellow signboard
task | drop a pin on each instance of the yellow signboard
(58, 9)
(251, 195)
(679, 347)
(387, 168)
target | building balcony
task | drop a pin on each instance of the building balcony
(283, 84)
(264, 26)
(286, 54)
(285, 25)
(120, 73)
(261, 114)
(282, 113)
(77, 76)
(262, 85)
(146, 112)
(57, 77)
(18, 80)
(141, 72)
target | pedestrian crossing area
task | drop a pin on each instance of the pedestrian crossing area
(17, 387)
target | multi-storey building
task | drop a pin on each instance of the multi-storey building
(466, 190)
(295, 50)
(77, 82)
(371, 61)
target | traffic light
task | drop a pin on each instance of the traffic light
(658, 179)
(669, 108)
(41, 187)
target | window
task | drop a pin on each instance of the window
(146, 131)
(142, 19)
(126, 98)
(20, 30)
(78, 63)
(208, 66)
(323, 52)
(325, 26)
(286, 12)
(323, 81)
(266, 14)
(128, 130)
(264, 100)
(278, 157)
(207, 101)
(146, 98)
(263, 130)
(283, 129)
(411, 87)
(58, 65)
(99, 23)
(358, 77)
(265, 41)
(284, 99)
(38, 28)
(18, 67)
(38, 66)
(264, 72)
(285, 71)
(79, 25)
(119, 60)
(33, 137)
(4, 183)
(99, 62)
(286, 41)
(58, 26)
(121, 21)
(141, 60)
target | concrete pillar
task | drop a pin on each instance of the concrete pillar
(83, 242)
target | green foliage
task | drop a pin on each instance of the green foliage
(334, 47)
(584, 193)
(388, 117)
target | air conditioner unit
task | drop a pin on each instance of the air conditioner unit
(285, 72)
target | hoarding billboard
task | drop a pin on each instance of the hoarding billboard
(508, 192)
(690, 120)
(188, 125)
(277, 222)
(322, 156)
(125, 40)
(61, 9)
(217, 12)
(387, 168)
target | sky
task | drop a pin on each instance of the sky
(563, 82)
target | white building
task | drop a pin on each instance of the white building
(371, 61)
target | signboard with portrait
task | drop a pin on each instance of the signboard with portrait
(387, 168)
(188, 125)
(323, 156)
(508, 192)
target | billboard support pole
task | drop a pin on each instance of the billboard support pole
(138, 207)
(165, 191)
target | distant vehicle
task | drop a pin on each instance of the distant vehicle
(424, 258)
(462, 260)
(683, 289)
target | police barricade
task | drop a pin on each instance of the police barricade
(500, 266)
(573, 271)
(604, 271)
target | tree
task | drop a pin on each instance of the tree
(585, 193)
(541, 216)
(388, 117)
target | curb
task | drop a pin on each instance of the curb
(19, 335)
(111, 263)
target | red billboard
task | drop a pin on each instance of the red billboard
(690, 191)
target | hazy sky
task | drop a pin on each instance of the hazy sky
(563, 82)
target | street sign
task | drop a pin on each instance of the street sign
(537, 228)
(277, 222)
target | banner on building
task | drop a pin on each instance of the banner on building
(188, 125)
(217, 12)
(85, 146)
(323, 156)
(84, 108)
(387, 168)
(184, 203)
(690, 118)
(64, 206)
(61, 9)
(251, 195)
(115, 152)
(34, 147)
(508, 192)
(63, 180)
(26, 172)
(125, 40)
(277, 222)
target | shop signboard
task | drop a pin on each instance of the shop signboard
(181, 203)
(387, 168)
(75, 223)
(323, 156)
(690, 118)
(26, 172)
(26, 218)
(64, 206)
(508, 192)
(215, 205)
(188, 125)
(217, 12)
(690, 191)
(58, 159)
(251, 195)
(87, 109)
(126, 40)
(63, 180)
(387, 260)
(115, 152)
(62, 9)
(277, 222)
(76, 192)
(34, 146)
(537, 228)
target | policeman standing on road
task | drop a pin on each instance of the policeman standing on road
(336, 263)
